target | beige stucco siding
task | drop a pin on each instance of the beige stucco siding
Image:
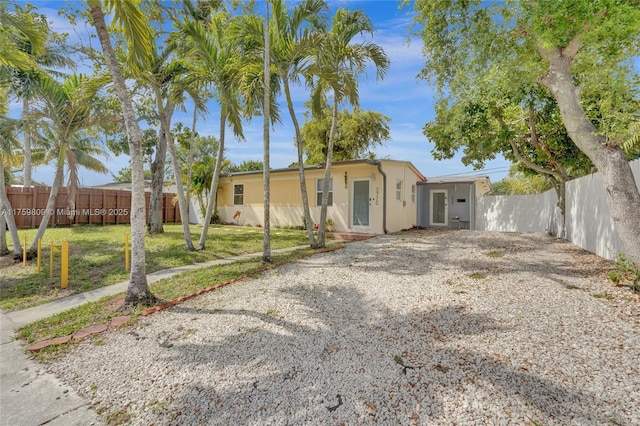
(286, 200)
(401, 213)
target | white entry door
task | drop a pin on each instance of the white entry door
(361, 209)
(438, 213)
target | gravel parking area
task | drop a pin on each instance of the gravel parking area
(428, 328)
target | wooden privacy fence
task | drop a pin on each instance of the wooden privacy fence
(93, 206)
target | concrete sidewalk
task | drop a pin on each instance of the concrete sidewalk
(29, 396)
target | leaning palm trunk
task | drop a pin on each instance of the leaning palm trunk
(327, 176)
(51, 204)
(138, 289)
(177, 174)
(303, 181)
(213, 193)
(6, 214)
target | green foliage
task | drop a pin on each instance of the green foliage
(124, 175)
(245, 166)
(357, 135)
(519, 183)
(485, 59)
(626, 271)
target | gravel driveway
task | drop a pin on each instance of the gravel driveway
(396, 330)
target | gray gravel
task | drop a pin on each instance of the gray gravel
(393, 330)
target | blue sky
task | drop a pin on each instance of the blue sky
(407, 100)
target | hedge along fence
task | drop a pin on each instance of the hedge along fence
(94, 206)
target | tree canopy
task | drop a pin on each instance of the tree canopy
(578, 53)
(358, 133)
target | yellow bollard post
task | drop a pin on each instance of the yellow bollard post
(24, 253)
(64, 273)
(50, 259)
(39, 261)
(127, 260)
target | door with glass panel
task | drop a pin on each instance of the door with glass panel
(361, 206)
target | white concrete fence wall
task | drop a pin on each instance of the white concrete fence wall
(588, 222)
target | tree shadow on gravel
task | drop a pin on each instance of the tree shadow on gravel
(344, 358)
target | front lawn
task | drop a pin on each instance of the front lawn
(96, 257)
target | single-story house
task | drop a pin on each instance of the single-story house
(450, 202)
(367, 196)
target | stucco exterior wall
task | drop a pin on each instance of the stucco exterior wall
(286, 199)
(401, 213)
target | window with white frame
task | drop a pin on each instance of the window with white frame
(238, 194)
(399, 190)
(319, 187)
(413, 193)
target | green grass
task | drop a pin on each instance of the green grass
(495, 254)
(96, 257)
(478, 276)
(103, 310)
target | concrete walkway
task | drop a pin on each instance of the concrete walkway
(29, 396)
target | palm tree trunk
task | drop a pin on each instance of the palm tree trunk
(27, 142)
(157, 183)
(51, 204)
(177, 174)
(138, 289)
(6, 212)
(4, 249)
(213, 193)
(192, 137)
(266, 243)
(327, 174)
(303, 181)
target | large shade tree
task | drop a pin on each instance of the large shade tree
(526, 128)
(579, 50)
(357, 134)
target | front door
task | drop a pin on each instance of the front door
(438, 211)
(361, 210)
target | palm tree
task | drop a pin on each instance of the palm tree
(8, 143)
(167, 78)
(219, 61)
(266, 243)
(66, 113)
(132, 20)
(47, 57)
(296, 35)
(19, 29)
(339, 63)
